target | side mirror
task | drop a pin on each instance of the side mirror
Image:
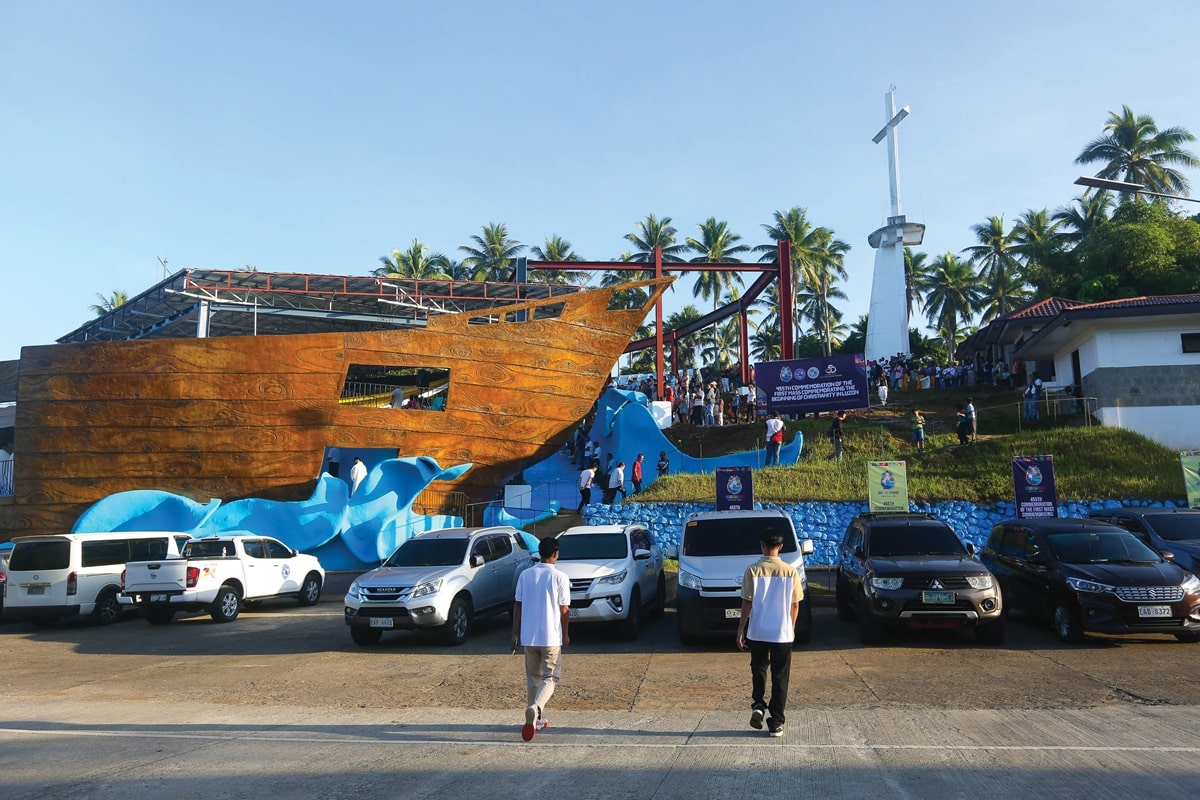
(1040, 560)
(476, 560)
(641, 555)
(858, 551)
(1167, 554)
(672, 552)
(970, 548)
(807, 547)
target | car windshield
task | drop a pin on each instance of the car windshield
(1176, 527)
(592, 546)
(218, 548)
(428, 553)
(736, 536)
(1100, 547)
(913, 540)
(52, 554)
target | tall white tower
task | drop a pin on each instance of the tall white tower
(887, 325)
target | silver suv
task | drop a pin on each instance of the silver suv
(616, 574)
(442, 580)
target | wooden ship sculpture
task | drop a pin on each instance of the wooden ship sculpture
(252, 416)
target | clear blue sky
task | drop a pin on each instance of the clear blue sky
(316, 137)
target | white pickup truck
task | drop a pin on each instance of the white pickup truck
(218, 574)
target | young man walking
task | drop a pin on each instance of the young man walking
(540, 619)
(771, 595)
(774, 435)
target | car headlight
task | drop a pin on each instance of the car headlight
(979, 581)
(355, 591)
(688, 580)
(427, 588)
(1084, 585)
(1190, 584)
(616, 579)
(887, 583)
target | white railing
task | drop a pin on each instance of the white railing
(6, 478)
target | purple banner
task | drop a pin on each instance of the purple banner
(810, 385)
(1033, 486)
(735, 489)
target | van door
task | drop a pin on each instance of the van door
(37, 575)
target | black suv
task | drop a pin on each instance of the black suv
(1167, 530)
(1087, 575)
(911, 570)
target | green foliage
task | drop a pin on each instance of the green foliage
(1142, 250)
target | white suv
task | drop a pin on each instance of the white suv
(616, 574)
(440, 580)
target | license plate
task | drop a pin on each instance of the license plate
(937, 598)
(36, 590)
(158, 598)
(1154, 611)
(733, 613)
(381, 622)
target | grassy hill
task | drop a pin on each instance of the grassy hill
(1090, 463)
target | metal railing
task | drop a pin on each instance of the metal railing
(6, 478)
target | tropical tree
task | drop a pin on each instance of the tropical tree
(824, 266)
(1084, 216)
(952, 297)
(494, 254)
(719, 245)
(685, 348)
(765, 343)
(653, 232)
(1037, 243)
(118, 298)
(1133, 149)
(627, 298)
(455, 270)
(998, 265)
(724, 349)
(915, 270)
(556, 248)
(417, 262)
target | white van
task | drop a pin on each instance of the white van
(77, 573)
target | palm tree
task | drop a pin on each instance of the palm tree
(455, 270)
(627, 298)
(653, 232)
(998, 265)
(724, 348)
(953, 295)
(1133, 149)
(717, 244)
(1036, 241)
(558, 249)
(686, 347)
(492, 257)
(915, 270)
(824, 266)
(1080, 219)
(118, 298)
(764, 343)
(417, 262)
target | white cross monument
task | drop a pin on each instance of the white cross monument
(887, 325)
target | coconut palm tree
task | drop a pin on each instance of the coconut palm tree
(915, 270)
(1080, 219)
(494, 255)
(764, 343)
(417, 262)
(1133, 149)
(719, 245)
(455, 270)
(686, 348)
(952, 297)
(653, 232)
(998, 265)
(724, 348)
(558, 249)
(118, 298)
(1036, 241)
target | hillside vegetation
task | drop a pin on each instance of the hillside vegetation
(1090, 463)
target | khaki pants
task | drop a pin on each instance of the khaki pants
(543, 668)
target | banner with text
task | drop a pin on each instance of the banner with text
(1033, 486)
(1190, 459)
(887, 485)
(810, 385)
(735, 489)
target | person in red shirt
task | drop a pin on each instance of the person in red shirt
(637, 472)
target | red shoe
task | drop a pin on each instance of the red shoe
(530, 726)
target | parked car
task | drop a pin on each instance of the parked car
(1086, 575)
(219, 574)
(1170, 530)
(910, 570)
(70, 574)
(616, 574)
(714, 551)
(441, 580)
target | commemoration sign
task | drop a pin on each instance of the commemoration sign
(1033, 486)
(887, 486)
(735, 489)
(811, 385)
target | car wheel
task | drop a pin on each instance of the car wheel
(310, 590)
(458, 622)
(804, 623)
(990, 632)
(845, 606)
(1188, 636)
(1066, 623)
(107, 610)
(870, 630)
(631, 626)
(660, 600)
(225, 606)
(158, 616)
(365, 637)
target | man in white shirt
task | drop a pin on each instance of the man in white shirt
(586, 476)
(541, 616)
(358, 473)
(771, 595)
(774, 438)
